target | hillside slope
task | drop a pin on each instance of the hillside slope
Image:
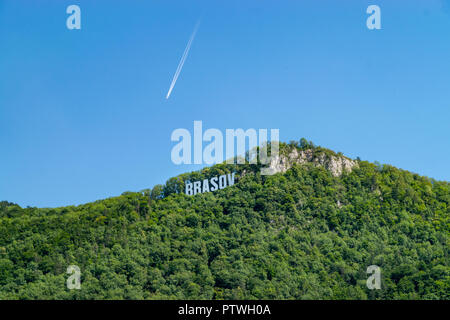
(307, 232)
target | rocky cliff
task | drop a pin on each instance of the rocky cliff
(336, 164)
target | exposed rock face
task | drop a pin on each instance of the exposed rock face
(335, 164)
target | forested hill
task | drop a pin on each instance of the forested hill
(304, 233)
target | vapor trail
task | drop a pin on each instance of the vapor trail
(183, 59)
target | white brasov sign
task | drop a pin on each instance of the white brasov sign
(207, 185)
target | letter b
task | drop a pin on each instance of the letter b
(189, 190)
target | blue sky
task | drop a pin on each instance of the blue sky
(83, 114)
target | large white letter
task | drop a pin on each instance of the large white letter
(73, 282)
(205, 186)
(216, 145)
(263, 149)
(240, 137)
(197, 187)
(231, 179)
(214, 184)
(189, 189)
(374, 281)
(184, 146)
(73, 21)
(198, 136)
(374, 21)
(222, 181)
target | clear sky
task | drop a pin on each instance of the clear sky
(84, 115)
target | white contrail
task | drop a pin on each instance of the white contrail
(183, 59)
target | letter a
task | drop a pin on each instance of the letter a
(374, 21)
(374, 281)
(184, 145)
(74, 20)
(216, 146)
(73, 282)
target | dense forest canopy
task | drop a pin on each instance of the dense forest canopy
(302, 234)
